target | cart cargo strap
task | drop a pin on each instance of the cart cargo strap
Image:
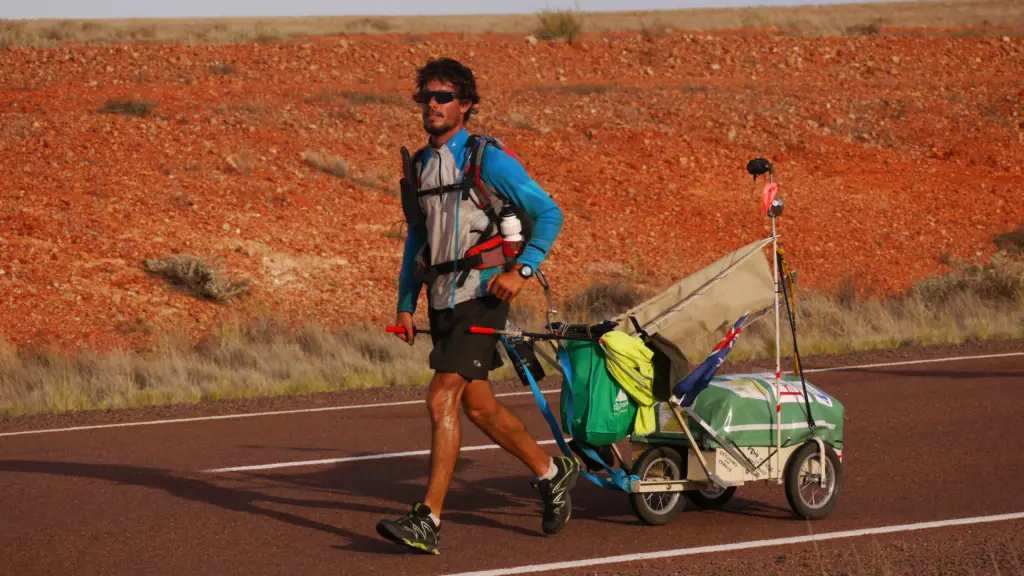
(617, 478)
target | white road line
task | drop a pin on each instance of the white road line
(908, 362)
(742, 545)
(243, 415)
(410, 402)
(352, 459)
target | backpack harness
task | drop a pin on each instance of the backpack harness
(487, 253)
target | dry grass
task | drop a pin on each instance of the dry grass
(268, 357)
(333, 165)
(241, 162)
(198, 277)
(603, 300)
(128, 107)
(973, 302)
(846, 19)
(261, 358)
(560, 25)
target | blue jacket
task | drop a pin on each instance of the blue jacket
(510, 179)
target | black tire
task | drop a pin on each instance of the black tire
(712, 499)
(658, 508)
(799, 466)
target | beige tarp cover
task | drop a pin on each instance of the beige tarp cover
(700, 303)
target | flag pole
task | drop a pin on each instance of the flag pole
(778, 351)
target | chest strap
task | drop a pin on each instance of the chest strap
(487, 254)
(439, 190)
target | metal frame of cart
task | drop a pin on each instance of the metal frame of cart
(672, 470)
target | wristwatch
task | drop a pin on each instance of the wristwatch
(525, 271)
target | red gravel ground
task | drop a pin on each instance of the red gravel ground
(891, 152)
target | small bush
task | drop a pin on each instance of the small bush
(369, 98)
(999, 281)
(1011, 242)
(603, 300)
(222, 69)
(334, 165)
(374, 24)
(520, 122)
(354, 97)
(197, 276)
(846, 291)
(585, 89)
(864, 29)
(128, 107)
(559, 24)
(258, 34)
(241, 162)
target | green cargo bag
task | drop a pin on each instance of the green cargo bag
(602, 411)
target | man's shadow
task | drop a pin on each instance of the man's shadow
(390, 486)
(198, 490)
(469, 501)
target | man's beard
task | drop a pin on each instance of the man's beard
(436, 129)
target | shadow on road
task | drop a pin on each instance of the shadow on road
(754, 508)
(234, 499)
(384, 488)
(366, 487)
(369, 486)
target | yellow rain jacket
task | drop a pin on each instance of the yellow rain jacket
(629, 363)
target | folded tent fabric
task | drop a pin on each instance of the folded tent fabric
(630, 365)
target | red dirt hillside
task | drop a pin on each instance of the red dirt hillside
(891, 151)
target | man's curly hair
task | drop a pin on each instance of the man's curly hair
(461, 77)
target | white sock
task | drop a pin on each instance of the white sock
(437, 521)
(552, 470)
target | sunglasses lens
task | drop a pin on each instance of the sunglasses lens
(442, 97)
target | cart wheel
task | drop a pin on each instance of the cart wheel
(658, 508)
(712, 499)
(806, 496)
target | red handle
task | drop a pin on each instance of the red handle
(401, 330)
(480, 330)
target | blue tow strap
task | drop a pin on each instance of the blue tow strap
(618, 479)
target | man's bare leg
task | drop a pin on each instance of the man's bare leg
(555, 476)
(443, 401)
(503, 427)
(447, 391)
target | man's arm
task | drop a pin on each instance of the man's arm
(408, 287)
(511, 180)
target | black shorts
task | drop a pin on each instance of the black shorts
(472, 356)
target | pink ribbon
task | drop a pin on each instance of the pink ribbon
(771, 189)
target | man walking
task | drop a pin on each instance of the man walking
(458, 253)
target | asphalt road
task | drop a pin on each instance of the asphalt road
(924, 443)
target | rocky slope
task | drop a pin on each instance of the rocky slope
(894, 155)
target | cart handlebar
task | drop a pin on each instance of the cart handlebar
(531, 335)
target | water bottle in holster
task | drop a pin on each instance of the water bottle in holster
(511, 232)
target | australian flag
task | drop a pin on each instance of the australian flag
(700, 378)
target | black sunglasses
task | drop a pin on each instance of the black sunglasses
(442, 96)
